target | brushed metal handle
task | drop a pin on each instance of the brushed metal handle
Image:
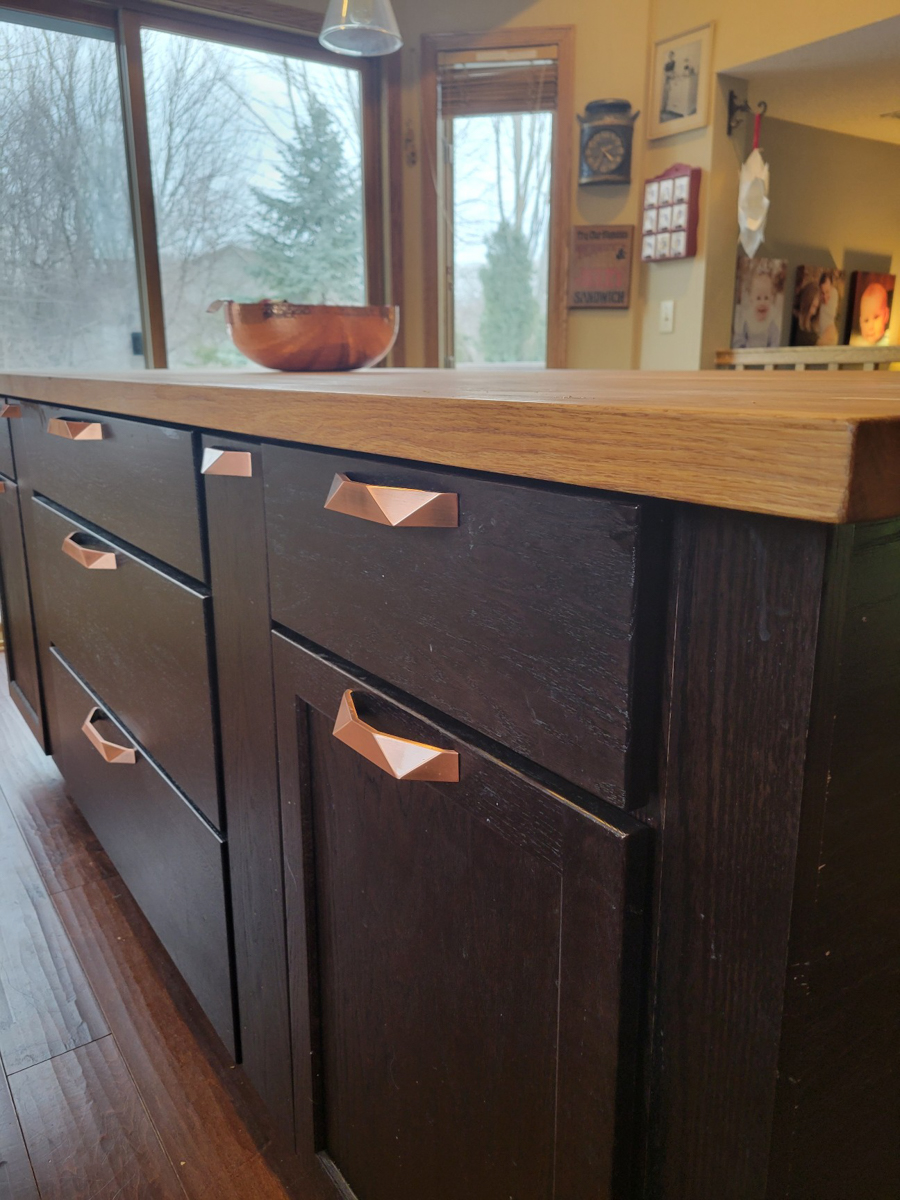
(394, 506)
(91, 560)
(10, 411)
(396, 756)
(109, 751)
(75, 431)
(227, 462)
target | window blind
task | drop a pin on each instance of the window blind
(522, 81)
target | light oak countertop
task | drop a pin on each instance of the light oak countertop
(818, 445)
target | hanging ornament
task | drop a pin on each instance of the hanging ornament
(753, 196)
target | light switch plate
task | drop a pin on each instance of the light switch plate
(667, 316)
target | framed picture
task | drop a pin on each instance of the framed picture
(600, 266)
(758, 302)
(682, 67)
(671, 214)
(817, 315)
(869, 312)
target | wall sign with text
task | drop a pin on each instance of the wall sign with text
(600, 266)
(671, 214)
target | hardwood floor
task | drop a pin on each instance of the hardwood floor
(113, 1083)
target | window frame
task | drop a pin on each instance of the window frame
(437, 250)
(276, 28)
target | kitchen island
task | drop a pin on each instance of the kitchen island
(508, 761)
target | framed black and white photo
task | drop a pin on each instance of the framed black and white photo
(682, 68)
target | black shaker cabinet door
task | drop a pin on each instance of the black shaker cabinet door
(463, 959)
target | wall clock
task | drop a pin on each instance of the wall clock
(607, 133)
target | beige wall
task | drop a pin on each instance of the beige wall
(835, 200)
(703, 287)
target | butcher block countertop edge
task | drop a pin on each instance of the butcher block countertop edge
(821, 446)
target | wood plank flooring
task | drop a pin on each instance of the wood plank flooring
(112, 1081)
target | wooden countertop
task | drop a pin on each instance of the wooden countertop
(818, 445)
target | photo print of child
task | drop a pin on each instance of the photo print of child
(872, 296)
(758, 303)
(818, 310)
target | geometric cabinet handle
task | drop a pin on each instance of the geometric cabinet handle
(396, 756)
(91, 560)
(108, 751)
(9, 410)
(407, 507)
(75, 431)
(227, 462)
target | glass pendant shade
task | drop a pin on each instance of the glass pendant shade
(362, 28)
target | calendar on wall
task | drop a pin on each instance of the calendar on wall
(671, 214)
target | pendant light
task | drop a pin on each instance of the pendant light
(361, 28)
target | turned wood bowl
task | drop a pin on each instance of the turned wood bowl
(310, 337)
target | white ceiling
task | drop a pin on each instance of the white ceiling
(842, 83)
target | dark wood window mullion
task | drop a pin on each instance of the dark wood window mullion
(137, 148)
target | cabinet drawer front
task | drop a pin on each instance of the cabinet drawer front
(6, 453)
(136, 480)
(15, 602)
(170, 859)
(464, 963)
(520, 622)
(139, 638)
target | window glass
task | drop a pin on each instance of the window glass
(68, 283)
(257, 183)
(501, 219)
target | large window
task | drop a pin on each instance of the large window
(68, 286)
(496, 197)
(257, 184)
(151, 163)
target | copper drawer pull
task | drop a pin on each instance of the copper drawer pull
(108, 751)
(406, 507)
(92, 560)
(227, 462)
(2, 487)
(75, 431)
(10, 411)
(396, 756)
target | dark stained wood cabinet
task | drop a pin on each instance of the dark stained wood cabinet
(132, 478)
(172, 861)
(644, 948)
(554, 594)
(16, 611)
(464, 965)
(141, 637)
(7, 466)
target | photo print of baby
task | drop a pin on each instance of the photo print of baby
(871, 299)
(758, 303)
(818, 309)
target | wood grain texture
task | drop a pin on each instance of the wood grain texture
(836, 1132)
(463, 963)
(17, 615)
(745, 635)
(65, 850)
(140, 639)
(176, 1060)
(138, 481)
(172, 861)
(46, 1005)
(16, 1176)
(784, 443)
(239, 577)
(87, 1132)
(536, 586)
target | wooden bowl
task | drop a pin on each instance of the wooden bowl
(310, 337)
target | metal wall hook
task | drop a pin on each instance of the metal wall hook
(737, 109)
